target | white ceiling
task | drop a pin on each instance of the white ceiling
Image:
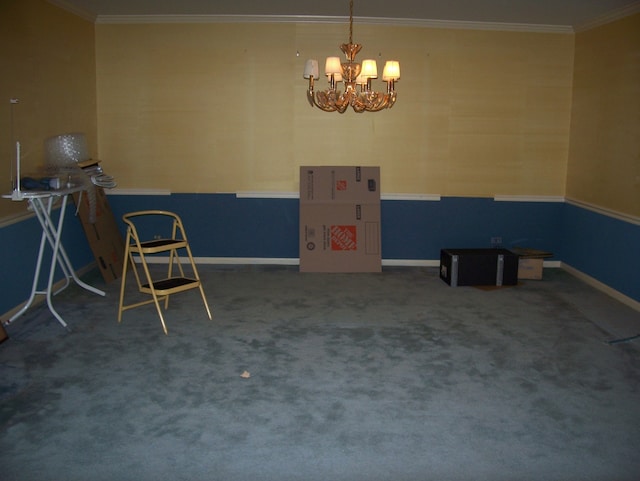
(565, 13)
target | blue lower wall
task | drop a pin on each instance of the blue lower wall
(603, 247)
(225, 226)
(222, 225)
(419, 229)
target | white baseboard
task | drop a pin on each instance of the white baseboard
(294, 261)
(406, 263)
(410, 263)
(281, 261)
(290, 261)
(619, 296)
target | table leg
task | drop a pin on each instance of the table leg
(64, 261)
(36, 275)
(52, 234)
(57, 233)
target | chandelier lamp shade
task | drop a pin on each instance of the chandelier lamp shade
(356, 77)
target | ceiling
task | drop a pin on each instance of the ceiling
(558, 13)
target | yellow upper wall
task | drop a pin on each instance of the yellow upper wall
(222, 108)
(48, 64)
(215, 107)
(604, 160)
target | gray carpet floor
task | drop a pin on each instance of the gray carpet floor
(391, 376)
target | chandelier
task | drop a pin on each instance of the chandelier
(356, 78)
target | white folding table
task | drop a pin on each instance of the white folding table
(42, 202)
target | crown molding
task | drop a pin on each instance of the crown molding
(611, 16)
(80, 12)
(617, 14)
(403, 22)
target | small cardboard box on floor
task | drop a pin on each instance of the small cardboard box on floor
(531, 262)
(340, 219)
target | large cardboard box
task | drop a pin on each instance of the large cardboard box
(103, 235)
(479, 267)
(340, 219)
(340, 238)
(340, 184)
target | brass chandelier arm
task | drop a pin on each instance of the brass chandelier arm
(374, 103)
(332, 100)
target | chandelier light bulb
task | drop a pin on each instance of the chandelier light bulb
(332, 66)
(391, 71)
(369, 69)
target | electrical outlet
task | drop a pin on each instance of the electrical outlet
(496, 241)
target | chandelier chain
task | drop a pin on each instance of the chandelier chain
(351, 21)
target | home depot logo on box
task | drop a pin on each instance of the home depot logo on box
(341, 185)
(343, 238)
